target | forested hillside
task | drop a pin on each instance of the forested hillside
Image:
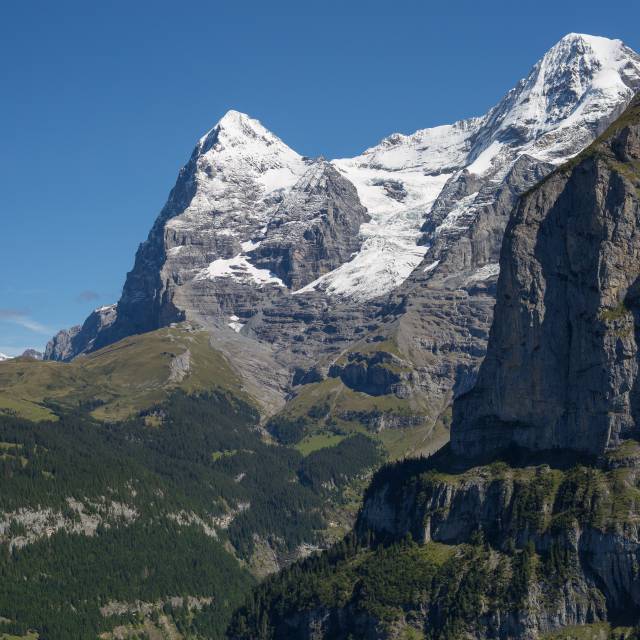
(182, 502)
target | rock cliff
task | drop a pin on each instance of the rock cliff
(69, 342)
(562, 362)
(499, 552)
(314, 229)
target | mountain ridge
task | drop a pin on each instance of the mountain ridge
(250, 159)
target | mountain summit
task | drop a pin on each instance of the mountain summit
(409, 181)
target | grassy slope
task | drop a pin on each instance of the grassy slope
(134, 374)
(117, 381)
(428, 433)
(342, 401)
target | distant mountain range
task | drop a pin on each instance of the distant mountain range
(33, 354)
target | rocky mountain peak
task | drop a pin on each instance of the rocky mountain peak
(576, 67)
(238, 130)
(236, 170)
(568, 97)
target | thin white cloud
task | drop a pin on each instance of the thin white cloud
(22, 319)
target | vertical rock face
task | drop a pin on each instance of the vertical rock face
(562, 364)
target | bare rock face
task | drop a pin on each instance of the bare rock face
(376, 373)
(314, 229)
(562, 364)
(66, 344)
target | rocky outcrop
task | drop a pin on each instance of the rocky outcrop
(60, 347)
(28, 525)
(180, 367)
(562, 364)
(66, 344)
(377, 373)
(382, 420)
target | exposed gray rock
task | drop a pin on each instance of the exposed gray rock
(376, 373)
(382, 420)
(60, 347)
(68, 343)
(314, 229)
(180, 367)
(27, 525)
(562, 366)
(121, 608)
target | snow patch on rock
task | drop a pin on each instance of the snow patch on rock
(487, 272)
(239, 268)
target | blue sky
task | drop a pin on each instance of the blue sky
(102, 103)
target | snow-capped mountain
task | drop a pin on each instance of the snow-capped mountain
(256, 239)
(4, 357)
(238, 176)
(567, 99)
(240, 171)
